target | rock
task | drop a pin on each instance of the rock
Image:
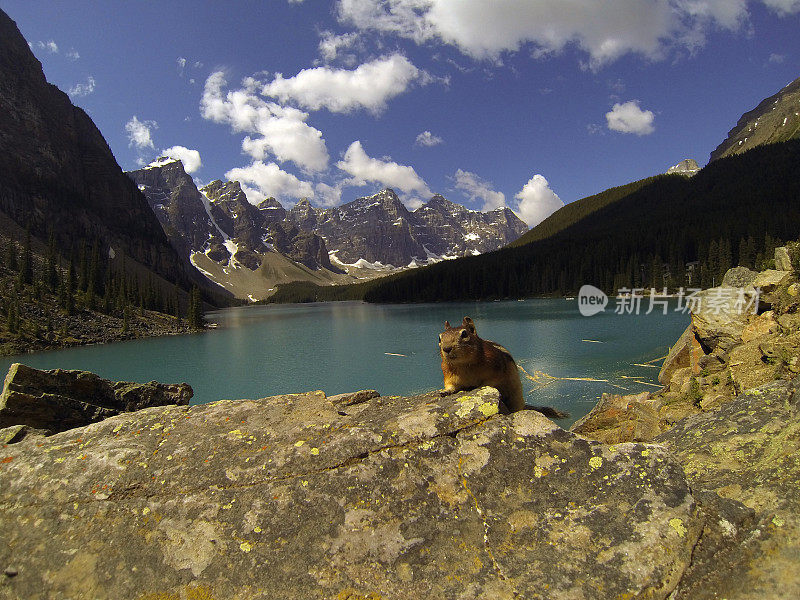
(17, 433)
(748, 453)
(739, 277)
(763, 324)
(616, 419)
(424, 497)
(720, 316)
(353, 397)
(678, 356)
(768, 281)
(783, 261)
(59, 400)
(687, 167)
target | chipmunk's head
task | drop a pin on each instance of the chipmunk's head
(458, 343)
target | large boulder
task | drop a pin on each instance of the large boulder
(746, 456)
(59, 400)
(616, 419)
(297, 497)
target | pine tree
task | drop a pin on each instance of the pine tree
(26, 266)
(51, 275)
(11, 255)
(69, 291)
(195, 316)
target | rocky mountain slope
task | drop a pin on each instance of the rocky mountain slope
(244, 248)
(775, 119)
(687, 166)
(249, 249)
(381, 229)
(58, 172)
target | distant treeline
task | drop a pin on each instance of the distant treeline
(668, 231)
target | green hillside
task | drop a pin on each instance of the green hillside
(575, 211)
(734, 211)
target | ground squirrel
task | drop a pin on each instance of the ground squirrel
(469, 362)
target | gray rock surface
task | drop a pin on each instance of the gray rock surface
(747, 454)
(783, 261)
(687, 166)
(295, 497)
(739, 277)
(60, 400)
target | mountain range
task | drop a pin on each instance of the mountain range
(683, 228)
(249, 249)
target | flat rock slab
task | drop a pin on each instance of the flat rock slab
(295, 497)
(747, 452)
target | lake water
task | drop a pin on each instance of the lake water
(260, 351)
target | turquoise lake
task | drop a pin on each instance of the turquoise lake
(260, 351)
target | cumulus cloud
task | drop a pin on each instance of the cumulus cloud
(139, 132)
(280, 131)
(604, 31)
(784, 7)
(426, 138)
(190, 158)
(328, 195)
(630, 118)
(73, 54)
(369, 86)
(181, 63)
(537, 201)
(364, 169)
(82, 89)
(476, 188)
(50, 46)
(263, 180)
(331, 45)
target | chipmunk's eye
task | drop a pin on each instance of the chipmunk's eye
(440, 338)
(464, 334)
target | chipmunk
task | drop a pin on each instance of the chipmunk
(469, 362)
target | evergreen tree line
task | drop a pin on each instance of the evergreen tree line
(84, 278)
(672, 232)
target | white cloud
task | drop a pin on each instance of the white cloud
(537, 201)
(364, 169)
(426, 138)
(50, 46)
(281, 131)
(139, 132)
(630, 118)
(476, 188)
(783, 7)
(82, 89)
(73, 54)
(190, 158)
(328, 195)
(369, 86)
(604, 31)
(181, 62)
(331, 45)
(777, 58)
(260, 180)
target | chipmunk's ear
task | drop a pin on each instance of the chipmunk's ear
(447, 325)
(468, 324)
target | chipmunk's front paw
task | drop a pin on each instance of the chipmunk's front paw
(446, 392)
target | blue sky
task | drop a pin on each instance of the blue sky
(523, 103)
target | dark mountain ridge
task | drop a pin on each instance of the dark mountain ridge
(59, 174)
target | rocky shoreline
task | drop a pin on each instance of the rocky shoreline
(692, 492)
